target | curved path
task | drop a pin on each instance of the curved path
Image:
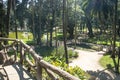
(89, 62)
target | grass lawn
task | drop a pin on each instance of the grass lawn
(22, 36)
(106, 61)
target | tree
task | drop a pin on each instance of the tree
(75, 26)
(87, 6)
(64, 30)
(114, 37)
(52, 20)
(9, 3)
(2, 22)
(14, 10)
(39, 26)
(100, 9)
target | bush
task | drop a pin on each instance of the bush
(59, 61)
(60, 53)
(76, 71)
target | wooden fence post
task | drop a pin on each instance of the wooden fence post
(21, 54)
(15, 53)
(5, 51)
(39, 71)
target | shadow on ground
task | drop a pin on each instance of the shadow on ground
(1, 76)
(81, 45)
(99, 75)
(102, 75)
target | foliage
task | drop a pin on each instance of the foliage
(59, 61)
(76, 71)
(103, 39)
(60, 53)
(44, 50)
(107, 62)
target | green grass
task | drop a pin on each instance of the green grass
(101, 41)
(21, 36)
(105, 61)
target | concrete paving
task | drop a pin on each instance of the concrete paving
(89, 62)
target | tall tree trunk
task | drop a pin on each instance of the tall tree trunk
(52, 22)
(114, 38)
(33, 25)
(89, 26)
(47, 38)
(48, 24)
(8, 17)
(40, 24)
(75, 36)
(118, 30)
(2, 22)
(51, 31)
(56, 42)
(14, 7)
(64, 30)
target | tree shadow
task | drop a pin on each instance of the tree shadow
(106, 74)
(99, 75)
(81, 45)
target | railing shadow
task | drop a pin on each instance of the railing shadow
(22, 72)
(1, 76)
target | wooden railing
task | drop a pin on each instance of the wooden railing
(38, 65)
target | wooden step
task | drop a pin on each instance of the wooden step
(17, 72)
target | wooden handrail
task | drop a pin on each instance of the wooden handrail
(8, 39)
(39, 62)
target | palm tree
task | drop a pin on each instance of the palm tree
(102, 9)
(87, 6)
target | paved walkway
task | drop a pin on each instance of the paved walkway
(89, 62)
(14, 72)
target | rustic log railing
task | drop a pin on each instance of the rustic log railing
(39, 64)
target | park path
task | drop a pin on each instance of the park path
(89, 62)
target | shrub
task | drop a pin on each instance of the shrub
(60, 53)
(76, 71)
